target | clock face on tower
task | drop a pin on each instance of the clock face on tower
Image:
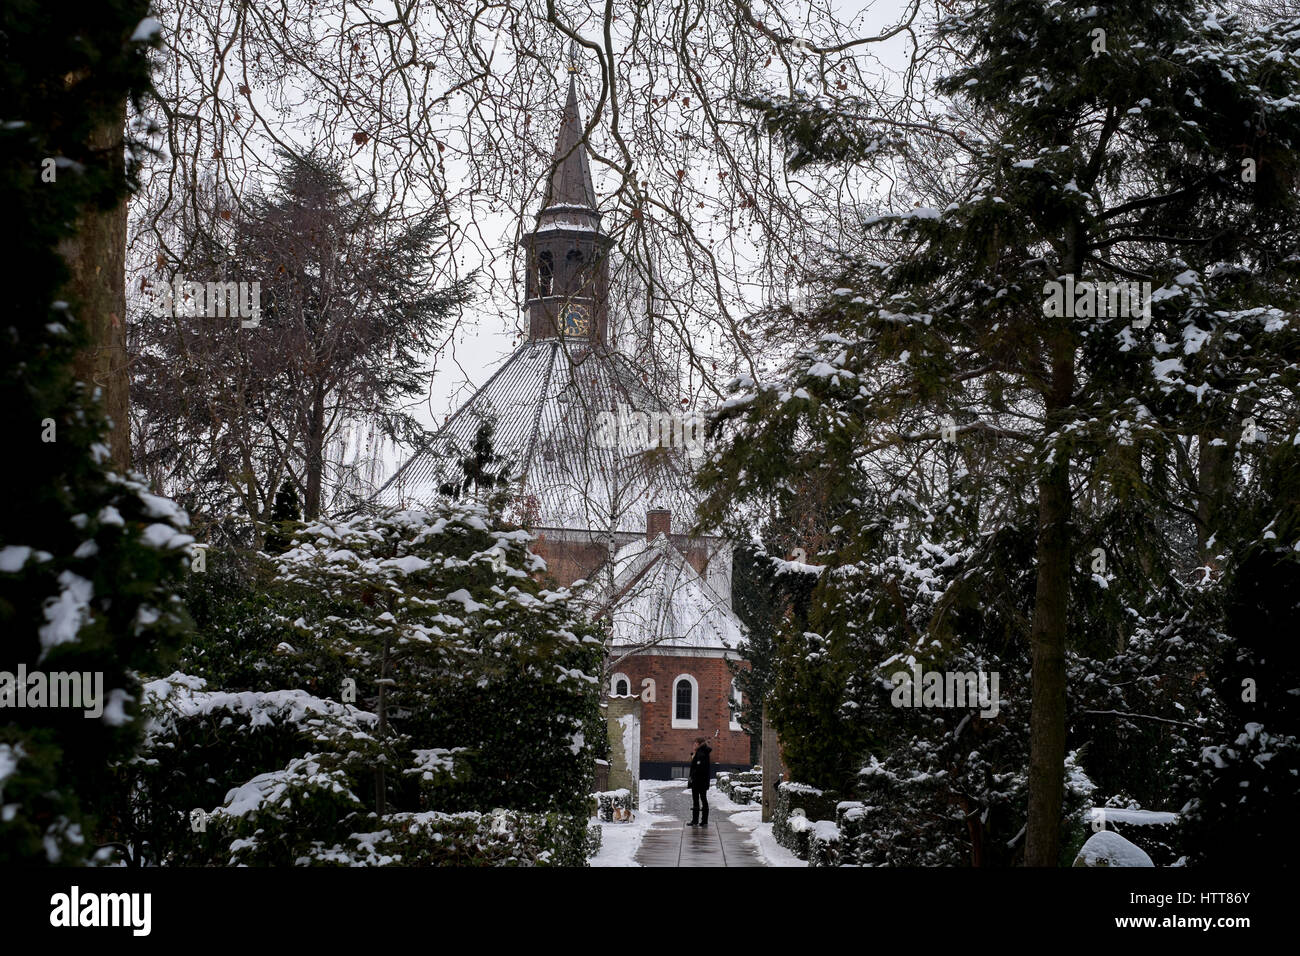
(577, 321)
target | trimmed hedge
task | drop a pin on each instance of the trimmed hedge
(824, 844)
(742, 786)
(853, 818)
(798, 808)
(499, 838)
(799, 831)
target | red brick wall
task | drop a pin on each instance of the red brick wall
(567, 561)
(660, 741)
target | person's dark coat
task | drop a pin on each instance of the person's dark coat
(698, 779)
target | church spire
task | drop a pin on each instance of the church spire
(567, 254)
(571, 196)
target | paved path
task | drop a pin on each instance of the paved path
(673, 843)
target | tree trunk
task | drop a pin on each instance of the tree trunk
(1048, 632)
(96, 259)
(381, 782)
(315, 456)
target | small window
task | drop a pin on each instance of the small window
(545, 273)
(577, 274)
(620, 685)
(621, 688)
(686, 702)
(680, 773)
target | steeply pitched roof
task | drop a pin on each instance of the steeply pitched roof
(571, 196)
(545, 401)
(657, 599)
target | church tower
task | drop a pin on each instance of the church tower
(609, 504)
(567, 254)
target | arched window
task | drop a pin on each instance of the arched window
(686, 702)
(735, 710)
(545, 273)
(577, 275)
(620, 685)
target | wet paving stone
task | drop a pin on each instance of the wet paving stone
(673, 843)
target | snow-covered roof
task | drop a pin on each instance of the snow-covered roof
(657, 599)
(545, 400)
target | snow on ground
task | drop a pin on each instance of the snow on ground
(620, 841)
(748, 818)
(760, 834)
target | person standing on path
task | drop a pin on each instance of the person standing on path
(698, 781)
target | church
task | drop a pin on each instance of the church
(611, 516)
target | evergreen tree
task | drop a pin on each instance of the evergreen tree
(286, 517)
(1148, 142)
(487, 475)
(383, 675)
(759, 605)
(89, 560)
(1242, 792)
(350, 307)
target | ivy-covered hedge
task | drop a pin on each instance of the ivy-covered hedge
(798, 808)
(824, 844)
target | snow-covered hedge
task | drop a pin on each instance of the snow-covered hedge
(1107, 848)
(743, 786)
(498, 838)
(798, 809)
(824, 844)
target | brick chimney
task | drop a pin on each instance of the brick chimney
(657, 521)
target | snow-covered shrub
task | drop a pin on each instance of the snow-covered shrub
(452, 641)
(742, 786)
(824, 844)
(1155, 832)
(497, 838)
(797, 833)
(852, 818)
(1107, 848)
(798, 807)
(219, 766)
(427, 671)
